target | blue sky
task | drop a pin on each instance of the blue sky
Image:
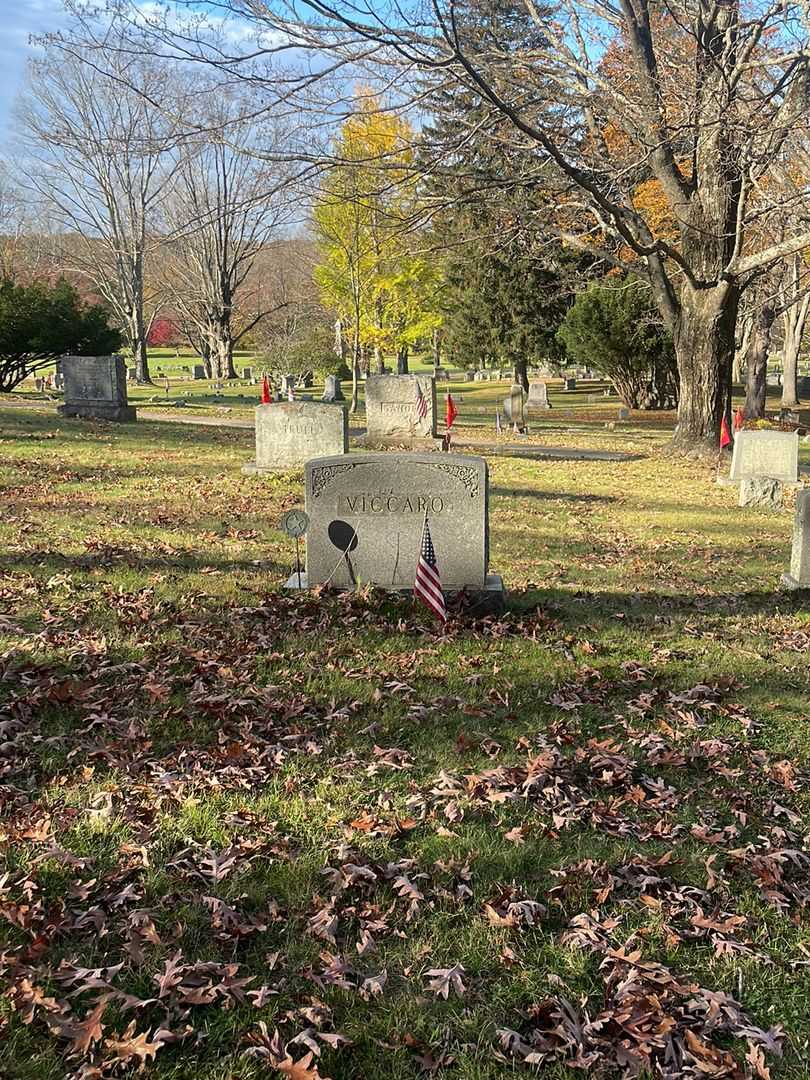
(18, 19)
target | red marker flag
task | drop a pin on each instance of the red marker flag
(452, 412)
(725, 434)
(739, 419)
(265, 391)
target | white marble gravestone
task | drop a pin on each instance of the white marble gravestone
(538, 396)
(766, 453)
(289, 433)
(392, 413)
(799, 575)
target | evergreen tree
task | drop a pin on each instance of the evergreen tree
(41, 322)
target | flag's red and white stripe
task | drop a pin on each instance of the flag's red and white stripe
(428, 584)
(421, 403)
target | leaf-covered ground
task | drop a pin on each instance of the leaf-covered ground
(247, 834)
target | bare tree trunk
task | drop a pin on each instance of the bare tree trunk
(741, 349)
(437, 348)
(704, 347)
(522, 374)
(340, 340)
(356, 358)
(758, 362)
(137, 343)
(402, 360)
(795, 320)
(379, 362)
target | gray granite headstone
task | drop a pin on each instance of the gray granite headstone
(774, 454)
(570, 384)
(198, 371)
(289, 433)
(381, 500)
(391, 409)
(469, 375)
(799, 576)
(623, 413)
(287, 383)
(132, 374)
(803, 385)
(538, 396)
(96, 386)
(247, 373)
(513, 405)
(762, 491)
(332, 390)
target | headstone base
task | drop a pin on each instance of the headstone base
(790, 582)
(252, 469)
(122, 413)
(400, 443)
(489, 600)
(726, 481)
(762, 491)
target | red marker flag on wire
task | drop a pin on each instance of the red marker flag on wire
(725, 434)
(428, 584)
(265, 391)
(739, 419)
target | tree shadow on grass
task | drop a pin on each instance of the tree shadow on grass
(512, 491)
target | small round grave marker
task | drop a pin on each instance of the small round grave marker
(294, 523)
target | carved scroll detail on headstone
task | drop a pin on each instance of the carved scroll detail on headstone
(467, 476)
(323, 476)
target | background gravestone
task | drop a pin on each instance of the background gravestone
(773, 454)
(198, 372)
(513, 406)
(391, 414)
(247, 373)
(570, 384)
(96, 386)
(287, 383)
(289, 433)
(332, 390)
(799, 576)
(366, 513)
(538, 396)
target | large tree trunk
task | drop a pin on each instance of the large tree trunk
(704, 347)
(758, 362)
(437, 348)
(402, 360)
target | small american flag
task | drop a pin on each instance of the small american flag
(428, 584)
(421, 404)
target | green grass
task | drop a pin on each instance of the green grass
(166, 709)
